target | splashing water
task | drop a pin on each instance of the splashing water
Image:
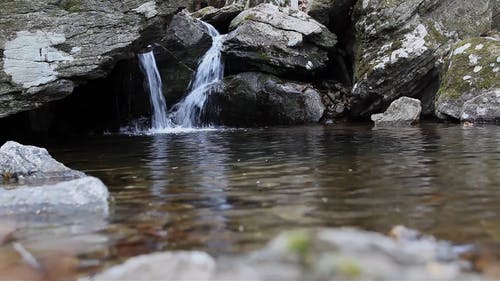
(187, 113)
(159, 118)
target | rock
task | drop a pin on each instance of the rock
(219, 18)
(403, 111)
(401, 45)
(29, 163)
(314, 254)
(470, 88)
(49, 47)
(185, 41)
(162, 266)
(251, 98)
(278, 41)
(34, 182)
(83, 195)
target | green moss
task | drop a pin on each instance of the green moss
(72, 6)
(348, 267)
(299, 242)
(453, 85)
(434, 35)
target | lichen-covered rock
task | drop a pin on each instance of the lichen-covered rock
(178, 52)
(219, 18)
(252, 98)
(470, 87)
(401, 44)
(278, 41)
(48, 47)
(24, 162)
(403, 111)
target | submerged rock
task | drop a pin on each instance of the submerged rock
(401, 45)
(253, 98)
(470, 87)
(278, 41)
(48, 47)
(403, 111)
(34, 182)
(320, 254)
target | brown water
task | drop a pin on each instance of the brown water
(230, 191)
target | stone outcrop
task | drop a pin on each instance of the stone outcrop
(320, 254)
(33, 183)
(401, 45)
(404, 111)
(50, 47)
(252, 98)
(277, 41)
(470, 87)
(219, 18)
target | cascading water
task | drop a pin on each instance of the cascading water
(210, 71)
(159, 119)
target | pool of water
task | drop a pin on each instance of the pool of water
(230, 191)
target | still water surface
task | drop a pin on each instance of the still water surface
(230, 191)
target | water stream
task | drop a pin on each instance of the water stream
(210, 71)
(159, 119)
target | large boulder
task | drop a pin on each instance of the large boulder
(33, 182)
(470, 86)
(403, 111)
(252, 98)
(48, 47)
(277, 41)
(401, 45)
(178, 53)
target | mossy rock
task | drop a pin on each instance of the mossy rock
(471, 69)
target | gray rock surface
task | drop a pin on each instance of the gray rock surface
(23, 162)
(48, 47)
(320, 254)
(253, 98)
(278, 41)
(219, 18)
(86, 194)
(178, 53)
(402, 43)
(403, 111)
(470, 86)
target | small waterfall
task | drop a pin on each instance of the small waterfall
(159, 119)
(210, 71)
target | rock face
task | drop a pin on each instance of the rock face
(403, 111)
(30, 163)
(277, 41)
(219, 18)
(34, 182)
(49, 47)
(401, 44)
(178, 52)
(252, 98)
(470, 87)
(320, 254)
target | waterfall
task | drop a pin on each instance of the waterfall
(210, 71)
(159, 118)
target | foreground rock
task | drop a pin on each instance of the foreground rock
(35, 183)
(278, 41)
(403, 111)
(322, 254)
(50, 47)
(253, 98)
(470, 88)
(401, 45)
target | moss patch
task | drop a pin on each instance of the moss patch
(72, 6)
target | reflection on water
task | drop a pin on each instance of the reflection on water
(230, 191)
